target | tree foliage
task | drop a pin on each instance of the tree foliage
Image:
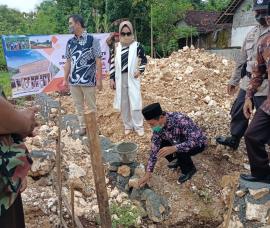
(165, 14)
(51, 17)
(118, 9)
(44, 20)
(216, 5)
(211, 5)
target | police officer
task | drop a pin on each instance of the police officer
(242, 75)
(257, 134)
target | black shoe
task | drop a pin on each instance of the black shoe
(184, 177)
(255, 179)
(173, 164)
(232, 141)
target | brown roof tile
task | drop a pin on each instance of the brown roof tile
(204, 21)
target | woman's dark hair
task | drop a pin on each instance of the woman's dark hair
(77, 18)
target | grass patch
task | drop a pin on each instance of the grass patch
(205, 195)
(124, 216)
(5, 82)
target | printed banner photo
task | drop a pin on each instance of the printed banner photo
(35, 63)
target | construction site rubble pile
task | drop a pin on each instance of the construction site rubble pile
(191, 81)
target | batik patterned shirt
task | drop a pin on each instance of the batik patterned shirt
(83, 51)
(261, 67)
(181, 131)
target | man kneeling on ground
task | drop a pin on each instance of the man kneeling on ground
(175, 137)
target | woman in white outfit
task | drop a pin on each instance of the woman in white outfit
(127, 65)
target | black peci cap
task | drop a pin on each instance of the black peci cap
(152, 111)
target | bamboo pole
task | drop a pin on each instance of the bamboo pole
(98, 170)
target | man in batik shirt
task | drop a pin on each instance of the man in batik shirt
(175, 137)
(83, 69)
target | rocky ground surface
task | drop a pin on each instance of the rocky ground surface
(189, 81)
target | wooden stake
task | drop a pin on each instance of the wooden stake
(98, 170)
(58, 164)
(76, 218)
(68, 207)
(232, 197)
(64, 223)
(72, 205)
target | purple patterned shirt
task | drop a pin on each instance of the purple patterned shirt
(181, 131)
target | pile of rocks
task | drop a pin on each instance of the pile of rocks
(251, 206)
(125, 177)
(191, 81)
(121, 178)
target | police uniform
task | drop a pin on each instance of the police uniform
(257, 134)
(247, 59)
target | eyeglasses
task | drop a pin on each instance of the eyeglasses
(126, 33)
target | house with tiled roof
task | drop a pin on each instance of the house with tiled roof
(240, 18)
(204, 24)
(225, 29)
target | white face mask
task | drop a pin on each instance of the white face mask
(71, 29)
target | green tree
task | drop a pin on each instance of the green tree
(140, 17)
(197, 4)
(118, 9)
(44, 20)
(65, 8)
(137, 11)
(105, 23)
(12, 21)
(166, 13)
(216, 5)
(186, 32)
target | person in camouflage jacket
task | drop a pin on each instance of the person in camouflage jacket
(15, 161)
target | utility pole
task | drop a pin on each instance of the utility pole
(152, 38)
(106, 7)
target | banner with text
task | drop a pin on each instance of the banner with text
(35, 63)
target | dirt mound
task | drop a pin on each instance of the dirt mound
(193, 82)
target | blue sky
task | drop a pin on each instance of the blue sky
(21, 5)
